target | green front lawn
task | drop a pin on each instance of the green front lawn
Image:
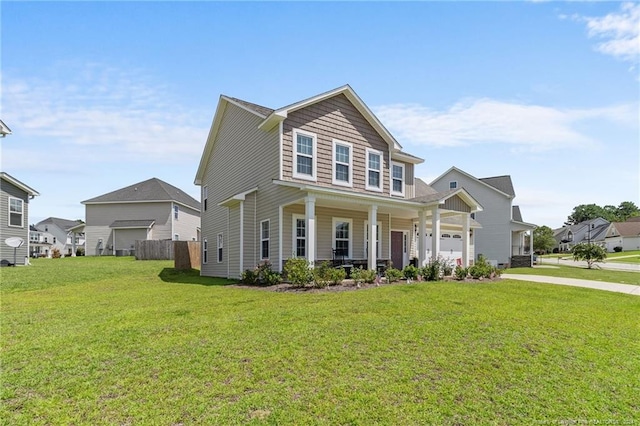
(114, 341)
(605, 275)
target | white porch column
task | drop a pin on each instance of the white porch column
(73, 244)
(465, 240)
(422, 237)
(531, 253)
(373, 221)
(310, 216)
(435, 233)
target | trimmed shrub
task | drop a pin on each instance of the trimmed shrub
(369, 275)
(461, 273)
(263, 274)
(321, 275)
(249, 277)
(393, 275)
(617, 249)
(337, 275)
(298, 271)
(410, 272)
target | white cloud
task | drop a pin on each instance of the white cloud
(482, 121)
(619, 30)
(122, 113)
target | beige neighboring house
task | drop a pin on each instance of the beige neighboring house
(149, 210)
(623, 234)
(501, 239)
(316, 179)
(14, 218)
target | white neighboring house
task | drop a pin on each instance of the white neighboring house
(501, 240)
(148, 210)
(623, 234)
(59, 234)
(39, 242)
(591, 231)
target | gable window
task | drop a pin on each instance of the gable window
(342, 163)
(397, 178)
(205, 251)
(264, 239)
(304, 147)
(300, 236)
(366, 239)
(16, 210)
(220, 241)
(374, 170)
(175, 211)
(453, 184)
(205, 196)
(342, 236)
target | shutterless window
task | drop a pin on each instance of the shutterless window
(175, 211)
(300, 236)
(453, 184)
(342, 236)
(176, 237)
(220, 247)
(205, 251)
(305, 149)
(397, 178)
(264, 239)
(342, 170)
(374, 170)
(16, 210)
(205, 196)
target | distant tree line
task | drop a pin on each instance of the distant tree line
(584, 212)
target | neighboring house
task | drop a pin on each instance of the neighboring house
(623, 234)
(40, 242)
(62, 236)
(315, 179)
(14, 217)
(591, 231)
(149, 210)
(502, 236)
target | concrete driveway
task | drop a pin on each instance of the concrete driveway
(599, 285)
(605, 265)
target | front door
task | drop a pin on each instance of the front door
(397, 251)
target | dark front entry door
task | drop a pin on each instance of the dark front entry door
(397, 252)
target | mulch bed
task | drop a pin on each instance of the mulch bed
(347, 285)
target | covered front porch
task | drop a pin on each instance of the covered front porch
(324, 223)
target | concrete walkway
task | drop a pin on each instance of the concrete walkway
(599, 285)
(611, 265)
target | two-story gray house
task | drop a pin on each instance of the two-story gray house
(14, 218)
(319, 178)
(148, 210)
(503, 232)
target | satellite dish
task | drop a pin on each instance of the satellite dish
(14, 242)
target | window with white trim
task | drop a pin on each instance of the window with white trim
(264, 239)
(342, 236)
(205, 251)
(446, 235)
(16, 212)
(366, 239)
(205, 196)
(342, 163)
(220, 247)
(176, 237)
(453, 184)
(397, 178)
(374, 170)
(304, 158)
(299, 235)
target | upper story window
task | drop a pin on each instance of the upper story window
(176, 209)
(205, 196)
(54, 240)
(342, 163)
(453, 184)
(374, 170)
(304, 147)
(16, 212)
(397, 178)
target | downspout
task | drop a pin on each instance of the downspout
(228, 243)
(241, 237)
(280, 219)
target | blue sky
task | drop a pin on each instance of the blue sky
(101, 95)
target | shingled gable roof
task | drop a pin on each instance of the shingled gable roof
(493, 183)
(630, 228)
(64, 224)
(15, 182)
(421, 188)
(147, 191)
(272, 117)
(516, 214)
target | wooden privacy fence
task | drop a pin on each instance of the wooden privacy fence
(187, 254)
(154, 250)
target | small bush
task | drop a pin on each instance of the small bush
(617, 249)
(249, 277)
(556, 250)
(337, 275)
(321, 275)
(410, 272)
(369, 275)
(393, 275)
(357, 275)
(80, 252)
(55, 253)
(461, 273)
(298, 271)
(267, 276)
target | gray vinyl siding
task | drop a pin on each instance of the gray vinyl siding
(493, 240)
(187, 224)
(336, 118)
(6, 253)
(100, 216)
(242, 157)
